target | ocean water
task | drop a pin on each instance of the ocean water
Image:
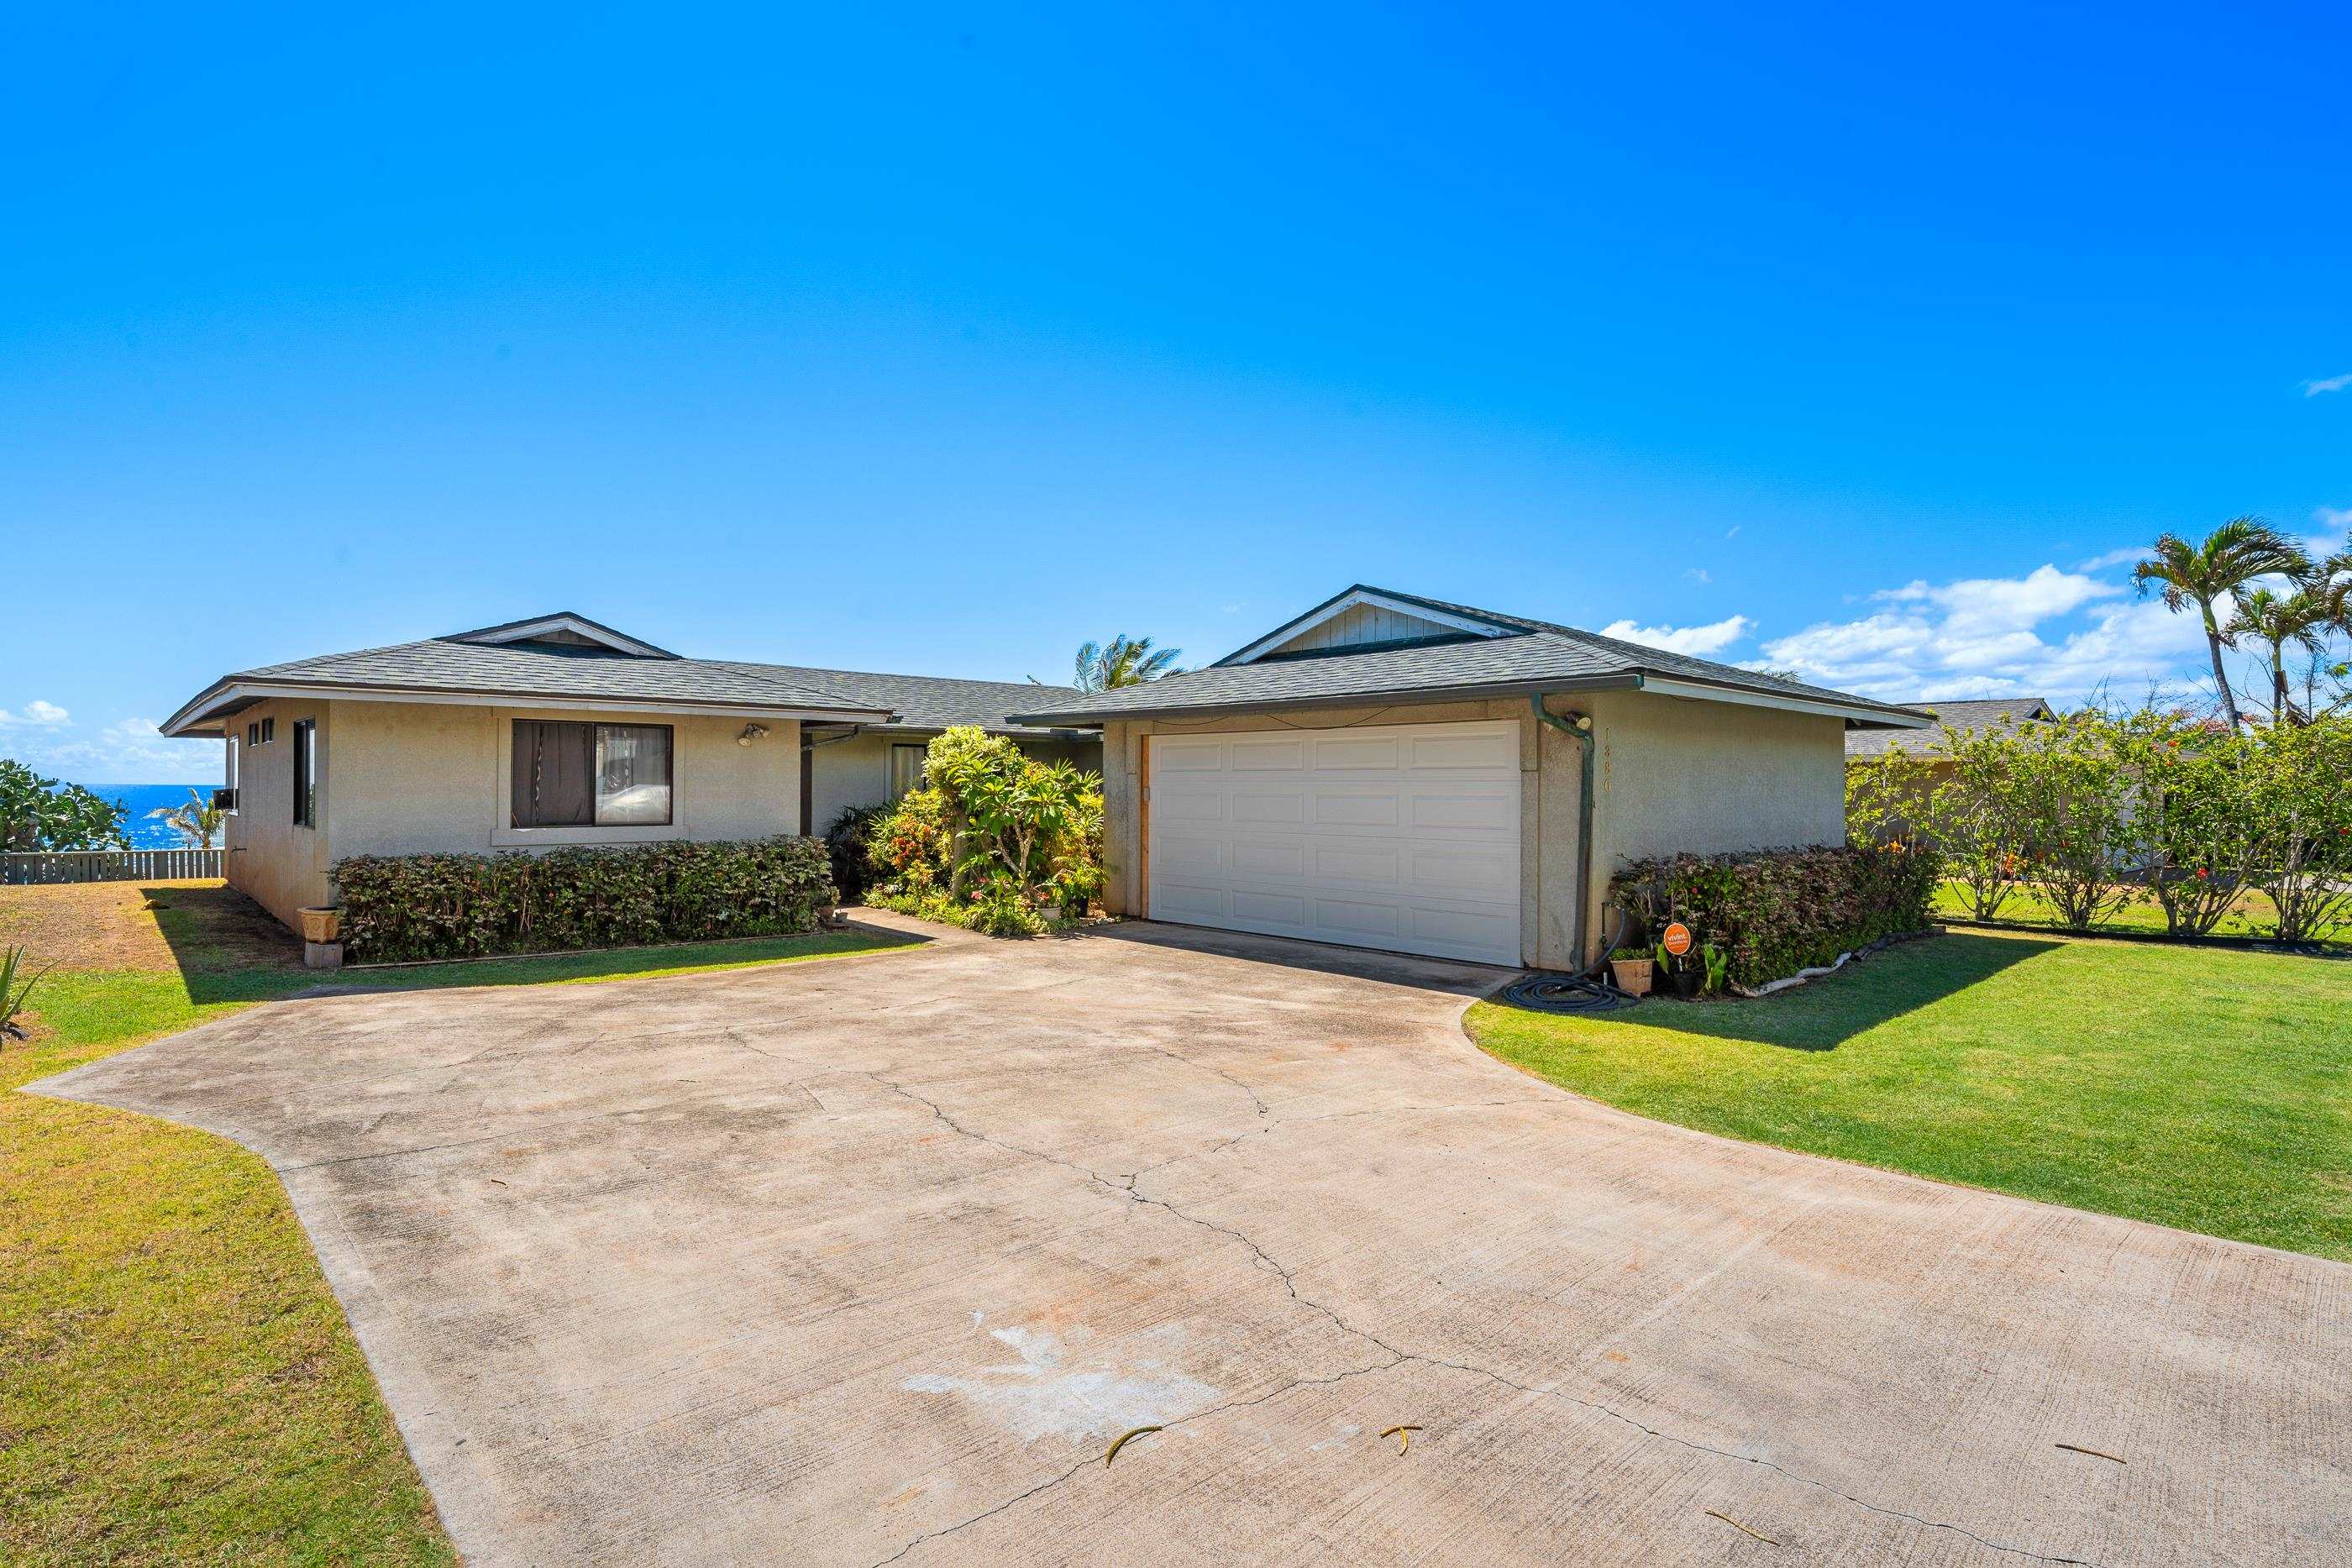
(146, 833)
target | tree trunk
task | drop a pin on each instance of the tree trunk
(2221, 676)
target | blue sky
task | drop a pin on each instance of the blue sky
(942, 340)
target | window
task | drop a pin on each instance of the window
(261, 732)
(269, 730)
(230, 782)
(906, 769)
(306, 773)
(591, 775)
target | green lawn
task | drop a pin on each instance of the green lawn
(177, 1383)
(2253, 915)
(2195, 1087)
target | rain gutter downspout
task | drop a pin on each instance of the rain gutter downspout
(1582, 732)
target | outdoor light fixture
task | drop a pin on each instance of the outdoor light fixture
(751, 732)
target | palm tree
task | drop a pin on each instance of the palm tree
(198, 820)
(2233, 555)
(2277, 619)
(1106, 666)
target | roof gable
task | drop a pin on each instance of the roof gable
(1360, 618)
(562, 629)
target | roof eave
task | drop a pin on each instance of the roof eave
(201, 715)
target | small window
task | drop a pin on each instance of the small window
(571, 775)
(261, 734)
(306, 773)
(907, 769)
(230, 782)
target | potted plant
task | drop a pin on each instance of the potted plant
(1630, 968)
(1681, 971)
(321, 925)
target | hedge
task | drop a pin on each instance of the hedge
(1776, 912)
(397, 908)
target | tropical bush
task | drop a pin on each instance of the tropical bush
(2067, 788)
(845, 846)
(995, 840)
(2097, 809)
(403, 907)
(38, 813)
(2298, 791)
(1770, 912)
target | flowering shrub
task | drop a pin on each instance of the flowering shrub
(995, 840)
(1774, 912)
(403, 907)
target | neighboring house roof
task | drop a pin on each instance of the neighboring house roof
(1473, 652)
(569, 661)
(2003, 713)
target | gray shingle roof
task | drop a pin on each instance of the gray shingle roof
(2003, 713)
(932, 702)
(549, 669)
(1532, 655)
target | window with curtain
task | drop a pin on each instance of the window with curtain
(569, 775)
(907, 769)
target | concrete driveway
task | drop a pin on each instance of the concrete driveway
(869, 1260)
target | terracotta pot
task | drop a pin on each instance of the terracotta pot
(1632, 974)
(323, 925)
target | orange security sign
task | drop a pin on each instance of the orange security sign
(1676, 939)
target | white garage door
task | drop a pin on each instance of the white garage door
(1403, 836)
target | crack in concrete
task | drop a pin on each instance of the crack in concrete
(1052, 1481)
(1125, 1187)
(1215, 1071)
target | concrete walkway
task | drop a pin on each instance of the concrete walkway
(869, 1260)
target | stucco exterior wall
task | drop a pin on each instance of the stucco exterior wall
(857, 772)
(279, 866)
(1675, 775)
(419, 778)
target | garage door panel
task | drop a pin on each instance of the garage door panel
(1286, 913)
(1189, 855)
(1173, 898)
(1445, 871)
(1335, 809)
(1464, 928)
(1487, 811)
(1268, 756)
(1287, 807)
(1353, 751)
(1405, 837)
(1170, 755)
(1343, 859)
(1268, 858)
(1187, 807)
(1345, 918)
(1498, 748)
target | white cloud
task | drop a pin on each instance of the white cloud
(1695, 641)
(2129, 556)
(2050, 634)
(1699, 575)
(2332, 517)
(46, 715)
(128, 751)
(2327, 384)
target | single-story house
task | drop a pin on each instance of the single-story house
(1397, 772)
(558, 730)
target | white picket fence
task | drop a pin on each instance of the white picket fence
(23, 868)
